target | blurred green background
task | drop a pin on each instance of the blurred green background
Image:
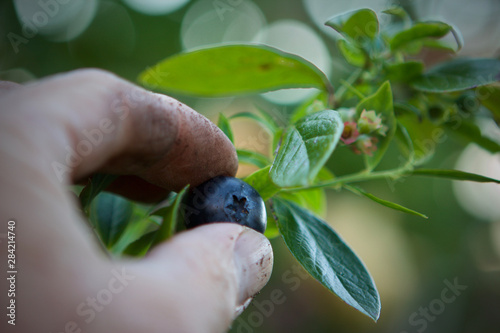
(413, 261)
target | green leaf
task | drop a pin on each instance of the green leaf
(419, 31)
(454, 175)
(360, 192)
(405, 71)
(357, 24)
(405, 143)
(407, 107)
(252, 157)
(352, 54)
(423, 134)
(262, 183)
(269, 119)
(459, 38)
(97, 183)
(277, 141)
(438, 45)
(110, 214)
(141, 246)
(312, 199)
(170, 219)
(162, 207)
(306, 148)
(233, 70)
(272, 230)
(398, 12)
(326, 257)
(324, 175)
(459, 74)
(139, 224)
(223, 124)
(266, 123)
(381, 102)
(489, 96)
(472, 133)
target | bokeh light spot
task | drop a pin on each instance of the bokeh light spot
(212, 22)
(59, 22)
(155, 7)
(479, 199)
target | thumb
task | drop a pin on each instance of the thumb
(201, 279)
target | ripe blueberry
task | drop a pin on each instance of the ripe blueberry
(225, 199)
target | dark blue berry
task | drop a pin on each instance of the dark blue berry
(225, 199)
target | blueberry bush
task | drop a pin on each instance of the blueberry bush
(390, 99)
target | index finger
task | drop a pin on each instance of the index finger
(99, 122)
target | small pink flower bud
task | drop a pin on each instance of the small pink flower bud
(366, 145)
(350, 133)
(370, 122)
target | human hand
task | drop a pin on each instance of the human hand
(61, 130)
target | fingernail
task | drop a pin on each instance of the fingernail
(254, 261)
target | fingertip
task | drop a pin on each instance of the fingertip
(254, 261)
(201, 151)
